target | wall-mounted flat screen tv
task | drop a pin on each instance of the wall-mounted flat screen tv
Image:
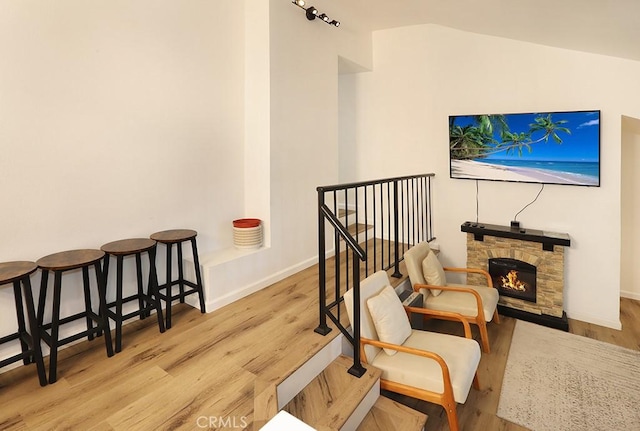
(544, 147)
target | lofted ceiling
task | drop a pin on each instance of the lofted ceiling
(608, 27)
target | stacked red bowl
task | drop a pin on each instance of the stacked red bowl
(247, 233)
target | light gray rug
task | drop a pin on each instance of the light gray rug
(558, 381)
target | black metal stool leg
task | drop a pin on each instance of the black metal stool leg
(196, 262)
(105, 275)
(55, 328)
(168, 285)
(180, 272)
(152, 288)
(87, 302)
(35, 332)
(141, 300)
(118, 318)
(22, 327)
(44, 281)
(103, 311)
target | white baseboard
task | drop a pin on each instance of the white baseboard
(630, 295)
(613, 324)
(237, 294)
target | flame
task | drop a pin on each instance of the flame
(511, 281)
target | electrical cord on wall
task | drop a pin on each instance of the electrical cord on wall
(477, 204)
(515, 222)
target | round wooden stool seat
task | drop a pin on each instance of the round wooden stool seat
(125, 247)
(174, 235)
(15, 271)
(70, 259)
(18, 273)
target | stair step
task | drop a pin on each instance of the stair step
(353, 228)
(330, 399)
(356, 228)
(389, 415)
(343, 212)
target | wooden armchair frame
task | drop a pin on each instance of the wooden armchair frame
(444, 399)
(478, 319)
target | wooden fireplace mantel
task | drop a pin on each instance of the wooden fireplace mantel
(547, 239)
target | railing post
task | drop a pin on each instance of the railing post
(322, 328)
(396, 231)
(356, 369)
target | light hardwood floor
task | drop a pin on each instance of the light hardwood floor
(201, 373)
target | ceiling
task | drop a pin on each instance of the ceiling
(608, 27)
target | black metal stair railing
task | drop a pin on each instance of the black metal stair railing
(362, 228)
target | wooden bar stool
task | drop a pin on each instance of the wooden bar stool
(146, 301)
(178, 237)
(59, 263)
(18, 273)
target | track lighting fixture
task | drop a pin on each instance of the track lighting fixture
(312, 13)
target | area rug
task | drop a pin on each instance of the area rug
(558, 381)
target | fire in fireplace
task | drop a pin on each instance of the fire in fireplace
(514, 278)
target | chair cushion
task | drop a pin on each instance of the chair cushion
(465, 303)
(413, 260)
(462, 356)
(369, 287)
(389, 318)
(433, 272)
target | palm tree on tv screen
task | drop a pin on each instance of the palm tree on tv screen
(477, 140)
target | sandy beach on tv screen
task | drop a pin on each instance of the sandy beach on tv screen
(480, 170)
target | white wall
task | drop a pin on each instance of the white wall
(630, 214)
(117, 119)
(301, 136)
(121, 119)
(423, 74)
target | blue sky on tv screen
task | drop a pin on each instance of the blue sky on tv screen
(582, 145)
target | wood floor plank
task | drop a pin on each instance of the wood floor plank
(183, 400)
(128, 389)
(389, 415)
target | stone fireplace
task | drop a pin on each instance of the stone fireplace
(530, 265)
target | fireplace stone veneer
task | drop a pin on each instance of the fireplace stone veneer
(544, 250)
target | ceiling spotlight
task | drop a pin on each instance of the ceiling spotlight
(312, 13)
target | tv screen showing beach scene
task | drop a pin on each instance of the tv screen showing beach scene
(547, 147)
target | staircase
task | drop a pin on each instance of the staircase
(357, 229)
(334, 400)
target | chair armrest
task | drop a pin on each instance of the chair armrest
(446, 378)
(473, 271)
(442, 314)
(461, 289)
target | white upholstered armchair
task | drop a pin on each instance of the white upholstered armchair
(434, 367)
(478, 304)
